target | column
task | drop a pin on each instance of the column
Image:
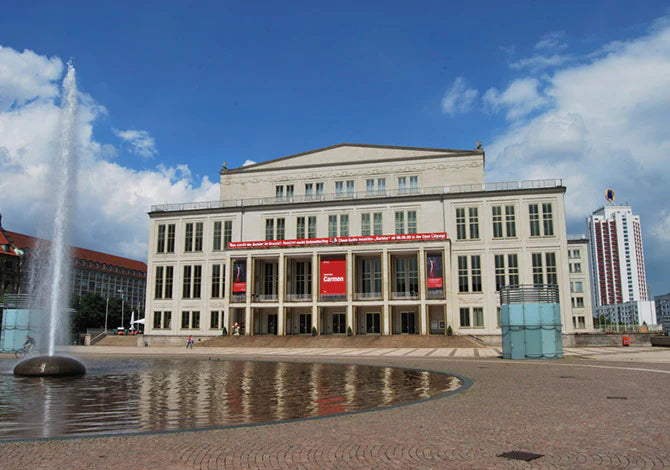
(350, 291)
(423, 318)
(281, 294)
(248, 325)
(315, 290)
(385, 292)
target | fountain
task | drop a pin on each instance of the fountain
(56, 278)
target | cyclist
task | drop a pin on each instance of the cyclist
(29, 344)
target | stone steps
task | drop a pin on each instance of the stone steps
(117, 341)
(359, 341)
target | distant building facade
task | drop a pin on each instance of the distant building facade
(580, 282)
(663, 310)
(92, 271)
(364, 239)
(617, 264)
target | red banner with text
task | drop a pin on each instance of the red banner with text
(301, 242)
(333, 277)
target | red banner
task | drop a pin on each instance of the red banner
(333, 277)
(434, 272)
(239, 277)
(406, 237)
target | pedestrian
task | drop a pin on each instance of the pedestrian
(189, 342)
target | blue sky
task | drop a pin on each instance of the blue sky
(170, 90)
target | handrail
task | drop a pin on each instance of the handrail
(412, 192)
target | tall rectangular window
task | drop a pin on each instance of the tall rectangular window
(319, 189)
(547, 219)
(411, 222)
(510, 221)
(185, 319)
(463, 285)
(476, 273)
(538, 277)
(269, 229)
(309, 189)
(414, 184)
(399, 222)
(497, 222)
(552, 276)
(289, 190)
(160, 240)
(216, 280)
(214, 320)
(478, 317)
(281, 229)
(534, 217)
(167, 320)
(169, 275)
(378, 226)
(460, 223)
(157, 320)
(381, 185)
(500, 271)
(473, 212)
(197, 280)
(365, 224)
(465, 317)
(158, 292)
(279, 192)
(198, 236)
(370, 186)
(311, 226)
(170, 238)
(339, 187)
(350, 187)
(300, 227)
(186, 291)
(332, 225)
(227, 233)
(188, 237)
(344, 225)
(195, 319)
(513, 269)
(402, 184)
(216, 236)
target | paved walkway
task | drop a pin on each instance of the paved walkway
(596, 408)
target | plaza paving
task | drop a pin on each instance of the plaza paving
(596, 408)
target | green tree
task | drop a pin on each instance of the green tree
(89, 312)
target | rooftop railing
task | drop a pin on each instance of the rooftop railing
(343, 196)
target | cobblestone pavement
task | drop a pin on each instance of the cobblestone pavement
(578, 412)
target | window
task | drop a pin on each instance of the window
(476, 273)
(188, 237)
(197, 279)
(381, 185)
(269, 229)
(157, 320)
(339, 187)
(158, 291)
(478, 317)
(344, 225)
(365, 224)
(227, 233)
(350, 187)
(547, 220)
(279, 192)
(371, 277)
(472, 223)
(160, 239)
(575, 267)
(214, 319)
(509, 276)
(370, 186)
(275, 229)
(198, 236)
(463, 285)
(406, 276)
(190, 320)
(169, 274)
(378, 226)
(192, 281)
(510, 221)
(216, 236)
(311, 226)
(309, 189)
(162, 320)
(289, 190)
(185, 319)
(414, 184)
(552, 276)
(399, 222)
(497, 222)
(576, 286)
(577, 302)
(538, 278)
(186, 291)
(218, 280)
(465, 317)
(549, 272)
(574, 254)
(332, 225)
(402, 184)
(319, 189)
(300, 227)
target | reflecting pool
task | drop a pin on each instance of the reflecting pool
(131, 396)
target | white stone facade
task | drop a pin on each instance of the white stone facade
(386, 215)
(580, 282)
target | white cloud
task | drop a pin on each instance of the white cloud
(459, 98)
(248, 162)
(551, 42)
(603, 124)
(520, 98)
(140, 142)
(540, 62)
(113, 201)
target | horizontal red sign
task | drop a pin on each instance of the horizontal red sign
(404, 237)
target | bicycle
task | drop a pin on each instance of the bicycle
(23, 352)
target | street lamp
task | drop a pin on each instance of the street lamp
(122, 299)
(106, 311)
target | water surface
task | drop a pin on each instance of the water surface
(139, 395)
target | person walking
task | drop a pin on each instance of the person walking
(189, 342)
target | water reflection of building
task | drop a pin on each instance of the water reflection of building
(92, 271)
(376, 239)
